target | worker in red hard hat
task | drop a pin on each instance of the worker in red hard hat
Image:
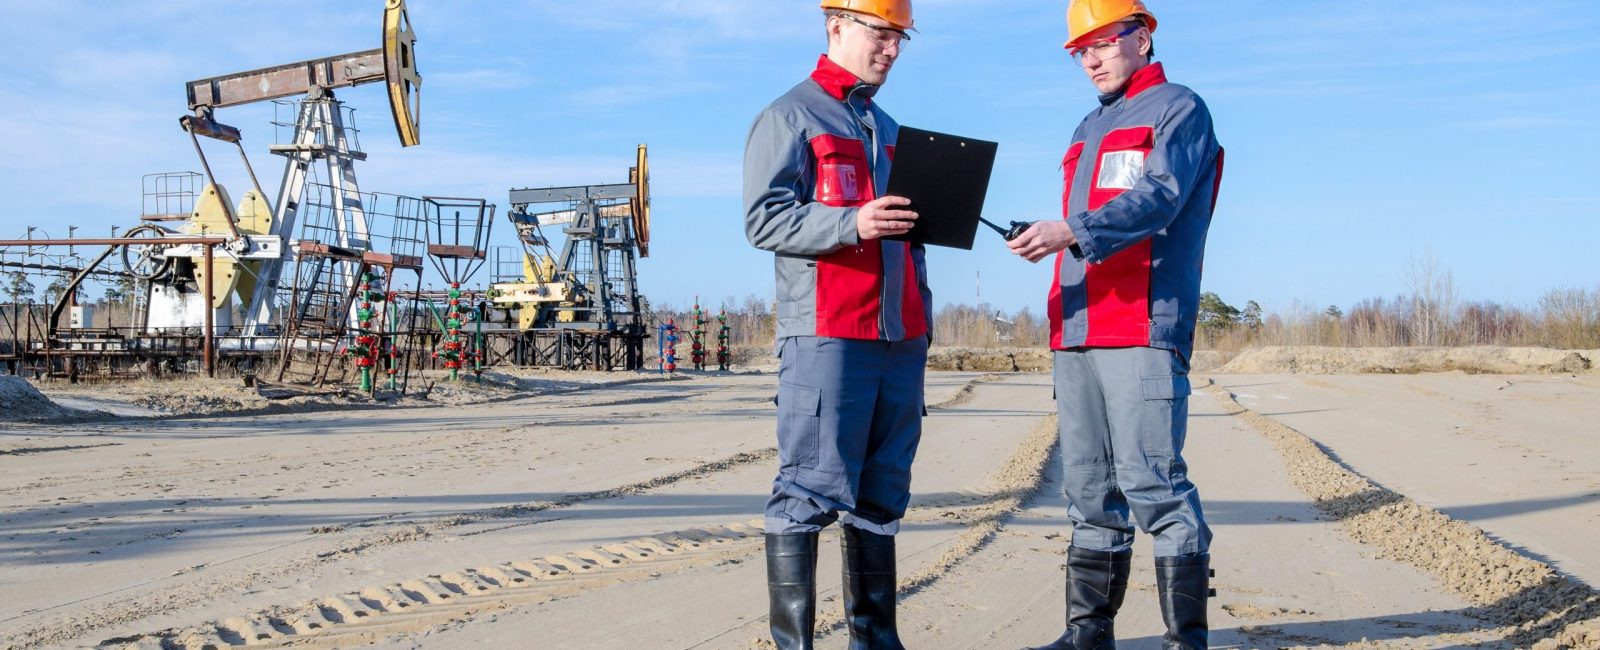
(1141, 181)
(854, 312)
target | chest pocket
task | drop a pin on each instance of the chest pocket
(1069, 172)
(1121, 164)
(843, 177)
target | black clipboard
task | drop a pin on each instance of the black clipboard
(946, 177)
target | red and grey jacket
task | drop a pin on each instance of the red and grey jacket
(1142, 177)
(813, 157)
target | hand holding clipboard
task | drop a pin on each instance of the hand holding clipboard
(946, 178)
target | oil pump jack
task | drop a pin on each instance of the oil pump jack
(581, 309)
(261, 240)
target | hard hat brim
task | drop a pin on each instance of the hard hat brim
(1149, 23)
(866, 7)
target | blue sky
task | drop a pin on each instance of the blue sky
(1359, 132)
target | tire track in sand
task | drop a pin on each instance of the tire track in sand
(424, 603)
(204, 589)
(375, 612)
(1013, 485)
(1022, 475)
(1536, 606)
(964, 394)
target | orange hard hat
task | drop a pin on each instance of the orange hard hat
(897, 12)
(1086, 16)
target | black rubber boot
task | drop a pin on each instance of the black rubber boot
(792, 589)
(1183, 584)
(1096, 584)
(869, 589)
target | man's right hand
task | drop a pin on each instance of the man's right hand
(881, 218)
(1043, 238)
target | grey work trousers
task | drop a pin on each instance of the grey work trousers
(849, 421)
(1123, 418)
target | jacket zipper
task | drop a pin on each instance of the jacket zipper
(870, 137)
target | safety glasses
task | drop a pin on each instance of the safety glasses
(885, 36)
(1105, 48)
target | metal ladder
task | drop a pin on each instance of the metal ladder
(311, 349)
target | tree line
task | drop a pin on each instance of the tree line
(1567, 318)
(1430, 312)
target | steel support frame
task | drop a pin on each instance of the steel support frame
(587, 237)
(321, 118)
(565, 349)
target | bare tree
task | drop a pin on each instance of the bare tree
(1571, 318)
(1433, 297)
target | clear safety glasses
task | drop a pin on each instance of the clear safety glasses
(1105, 48)
(883, 36)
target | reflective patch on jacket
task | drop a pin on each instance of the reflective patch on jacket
(1119, 170)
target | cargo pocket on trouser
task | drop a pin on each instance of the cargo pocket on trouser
(799, 423)
(1170, 509)
(1166, 403)
(1165, 387)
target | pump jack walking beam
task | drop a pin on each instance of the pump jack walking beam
(286, 80)
(395, 63)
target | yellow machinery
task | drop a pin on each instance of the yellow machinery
(535, 293)
(578, 290)
(252, 264)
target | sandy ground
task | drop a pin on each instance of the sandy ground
(1310, 360)
(1513, 455)
(1364, 511)
(1489, 360)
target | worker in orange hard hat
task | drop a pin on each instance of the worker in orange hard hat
(854, 312)
(1141, 180)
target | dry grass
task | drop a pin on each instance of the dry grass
(1563, 318)
(1566, 319)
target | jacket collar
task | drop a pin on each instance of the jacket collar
(838, 82)
(1146, 78)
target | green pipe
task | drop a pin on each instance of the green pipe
(443, 331)
(477, 359)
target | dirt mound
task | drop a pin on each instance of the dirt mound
(1207, 360)
(19, 400)
(1477, 360)
(201, 400)
(1031, 359)
(989, 359)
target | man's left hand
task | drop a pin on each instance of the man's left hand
(1042, 239)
